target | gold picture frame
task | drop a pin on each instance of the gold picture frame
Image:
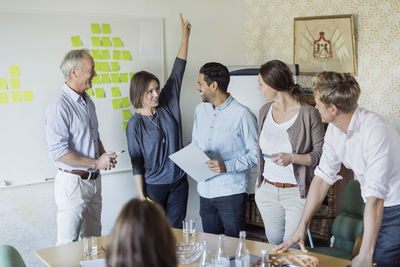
(325, 43)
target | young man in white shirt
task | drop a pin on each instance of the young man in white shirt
(365, 143)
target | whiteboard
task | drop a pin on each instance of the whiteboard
(37, 43)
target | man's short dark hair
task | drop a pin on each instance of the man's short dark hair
(217, 72)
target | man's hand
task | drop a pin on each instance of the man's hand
(106, 161)
(361, 261)
(216, 166)
(296, 237)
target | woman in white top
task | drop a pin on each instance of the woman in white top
(290, 138)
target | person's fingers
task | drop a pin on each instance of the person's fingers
(182, 21)
(302, 246)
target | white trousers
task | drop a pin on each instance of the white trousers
(78, 207)
(280, 209)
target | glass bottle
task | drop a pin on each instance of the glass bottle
(206, 259)
(242, 256)
(264, 258)
(221, 258)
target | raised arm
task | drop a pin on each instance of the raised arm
(185, 26)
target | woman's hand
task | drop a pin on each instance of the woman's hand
(282, 159)
(185, 26)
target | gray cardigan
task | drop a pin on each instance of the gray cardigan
(306, 136)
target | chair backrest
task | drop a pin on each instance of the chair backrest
(347, 226)
(9, 257)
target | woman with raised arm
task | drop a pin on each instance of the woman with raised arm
(154, 132)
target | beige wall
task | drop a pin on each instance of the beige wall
(269, 35)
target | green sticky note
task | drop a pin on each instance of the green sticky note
(3, 84)
(115, 92)
(126, 114)
(116, 103)
(96, 54)
(97, 66)
(106, 41)
(117, 42)
(114, 66)
(27, 96)
(115, 78)
(95, 28)
(96, 41)
(105, 78)
(76, 41)
(105, 67)
(106, 28)
(15, 83)
(89, 91)
(126, 55)
(16, 97)
(3, 98)
(131, 75)
(96, 80)
(105, 54)
(14, 71)
(124, 124)
(116, 55)
(99, 92)
(125, 102)
(123, 77)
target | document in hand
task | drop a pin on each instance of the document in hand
(191, 159)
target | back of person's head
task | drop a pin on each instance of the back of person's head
(339, 89)
(139, 84)
(216, 72)
(278, 75)
(141, 237)
(73, 60)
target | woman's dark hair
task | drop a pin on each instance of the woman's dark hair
(139, 83)
(141, 237)
(278, 75)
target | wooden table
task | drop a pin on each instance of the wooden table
(71, 254)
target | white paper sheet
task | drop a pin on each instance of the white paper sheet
(191, 159)
(94, 263)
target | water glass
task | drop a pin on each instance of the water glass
(90, 245)
(189, 227)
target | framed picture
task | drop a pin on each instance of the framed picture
(325, 43)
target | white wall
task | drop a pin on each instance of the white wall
(27, 213)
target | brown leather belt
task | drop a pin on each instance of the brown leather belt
(281, 185)
(84, 174)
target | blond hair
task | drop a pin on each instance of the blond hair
(339, 89)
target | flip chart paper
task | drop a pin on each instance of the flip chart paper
(15, 83)
(27, 96)
(115, 92)
(191, 159)
(95, 28)
(94, 263)
(14, 71)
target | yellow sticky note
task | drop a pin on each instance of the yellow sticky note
(3, 84)
(97, 66)
(123, 77)
(27, 96)
(114, 66)
(15, 83)
(89, 91)
(117, 42)
(16, 97)
(96, 41)
(125, 102)
(14, 71)
(126, 55)
(96, 54)
(105, 78)
(106, 28)
(105, 67)
(95, 28)
(105, 54)
(126, 114)
(115, 78)
(76, 41)
(124, 124)
(99, 92)
(131, 75)
(115, 92)
(116, 103)
(106, 41)
(3, 98)
(96, 80)
(116, 55)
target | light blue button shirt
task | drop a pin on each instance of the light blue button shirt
(228, 133)
(71, 124)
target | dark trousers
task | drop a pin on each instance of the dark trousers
(387, 248)
(173, 198)
(223, 215)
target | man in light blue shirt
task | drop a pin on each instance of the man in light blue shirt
(227, 132)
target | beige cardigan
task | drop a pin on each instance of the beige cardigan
(306, 136)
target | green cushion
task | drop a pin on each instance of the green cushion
(9, 257)
(352, 203)
(334, 252)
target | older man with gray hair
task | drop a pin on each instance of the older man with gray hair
(74, 145)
